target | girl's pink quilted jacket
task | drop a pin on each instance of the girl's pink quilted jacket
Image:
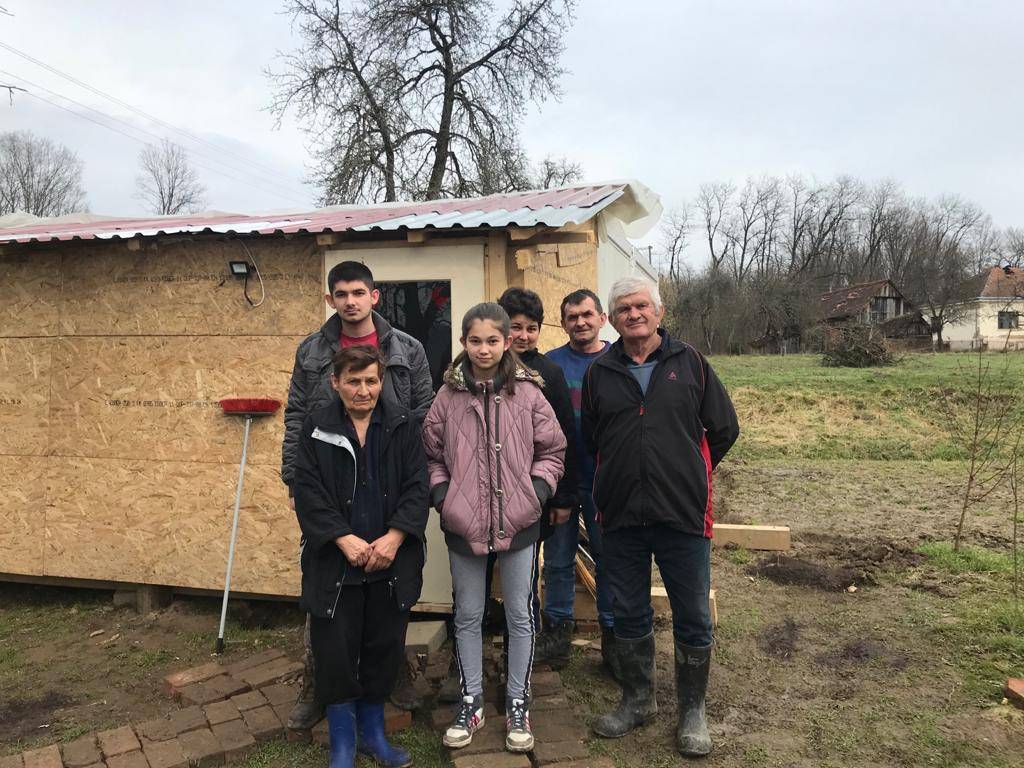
(490, 446)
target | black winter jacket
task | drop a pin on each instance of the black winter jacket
(655, 453)
(325, 477)
(407, 382)
(557, 393)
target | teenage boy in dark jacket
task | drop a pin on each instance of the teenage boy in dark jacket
(361, 499)
(526, 310)
(659, 421)
(352, 295)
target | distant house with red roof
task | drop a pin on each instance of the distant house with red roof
(993, 319)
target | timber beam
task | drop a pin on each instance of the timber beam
(772, 538)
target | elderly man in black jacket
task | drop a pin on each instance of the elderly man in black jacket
(360, 488)
(659, 421)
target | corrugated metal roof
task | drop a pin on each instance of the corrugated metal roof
(549, 207)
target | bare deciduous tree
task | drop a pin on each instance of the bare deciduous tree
(38, 176)
(418, 98)
(167, 182)
(557, 172)
(675, 236)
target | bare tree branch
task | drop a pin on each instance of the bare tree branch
(167, 183)
(38, 176)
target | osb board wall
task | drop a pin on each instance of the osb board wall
(184, 289)
(554, 271)
(29, 294)
(116, 462)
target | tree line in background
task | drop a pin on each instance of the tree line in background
(773, 245)
(43, 178)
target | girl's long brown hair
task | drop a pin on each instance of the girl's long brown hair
(490, 310)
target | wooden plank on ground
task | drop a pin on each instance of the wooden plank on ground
(660, 604)
(764, 537)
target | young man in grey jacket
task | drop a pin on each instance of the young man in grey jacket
(407, 383)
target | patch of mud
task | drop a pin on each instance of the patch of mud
(864, 553)
(24, 716)
(780, 641)
(862, 652)
(796, 571)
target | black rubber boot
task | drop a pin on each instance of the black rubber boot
(634, 660)
(306, 712)
(607, 654)
(692, 667)
(554, 644)
(451, 688)
(404, 694)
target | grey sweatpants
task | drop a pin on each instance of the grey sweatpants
(469, 579)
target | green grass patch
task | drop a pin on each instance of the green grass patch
(966, 559)
(423, 744)
(794, 407)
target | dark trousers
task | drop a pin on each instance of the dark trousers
(357, 654)
(685, 565)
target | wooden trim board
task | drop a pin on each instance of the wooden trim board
(659, 602)
(773, 538)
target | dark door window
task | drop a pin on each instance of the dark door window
(423, 309)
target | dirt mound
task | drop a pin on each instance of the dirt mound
(780, 641)
(865, 553)
(797, 571)
(25, 715)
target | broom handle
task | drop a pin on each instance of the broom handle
(234, 535)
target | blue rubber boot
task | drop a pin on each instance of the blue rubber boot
(373, 742)
(341, 728)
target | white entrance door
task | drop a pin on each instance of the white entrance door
(463, 267)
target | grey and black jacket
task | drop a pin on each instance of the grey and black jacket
(407, 383)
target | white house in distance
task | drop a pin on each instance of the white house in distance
(992, 320)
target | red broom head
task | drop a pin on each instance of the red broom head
(250, 406)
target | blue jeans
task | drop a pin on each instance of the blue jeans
(560, 565)
(684, 561)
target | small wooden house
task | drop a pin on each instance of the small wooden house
(118, 337)
(879, 305)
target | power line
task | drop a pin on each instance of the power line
(277, 189)
(132, 108)
(142, 141)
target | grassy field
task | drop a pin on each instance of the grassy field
(794, 407)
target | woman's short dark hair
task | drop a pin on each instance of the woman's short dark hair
(357, 358)
(522, 301)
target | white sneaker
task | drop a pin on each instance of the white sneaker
(518, 736)
(468, 720)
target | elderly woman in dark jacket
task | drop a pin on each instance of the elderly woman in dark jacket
(361, 499)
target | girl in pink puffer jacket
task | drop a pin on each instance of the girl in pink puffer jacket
(495, 453)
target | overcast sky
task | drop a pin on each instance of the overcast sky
(671, 92)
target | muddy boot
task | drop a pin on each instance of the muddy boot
(634, 660)
(554, 644)
(692, 666)
(451, 688)
(307, 712)
(607, 656)
(404, 695)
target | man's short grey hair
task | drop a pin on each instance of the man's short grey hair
(627, 286)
